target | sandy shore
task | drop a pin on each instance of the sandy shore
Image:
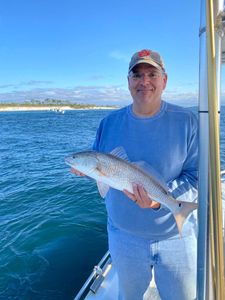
(50, 108)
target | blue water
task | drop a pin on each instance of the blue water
(52, 224)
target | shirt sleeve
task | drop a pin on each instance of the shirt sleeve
(185, 186)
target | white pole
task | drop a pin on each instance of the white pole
(203, 162)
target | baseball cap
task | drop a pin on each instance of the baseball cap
(148, 57)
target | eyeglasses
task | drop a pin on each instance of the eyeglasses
(153, 75)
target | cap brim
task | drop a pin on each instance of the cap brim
(149, 62)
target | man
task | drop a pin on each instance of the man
(143, 234)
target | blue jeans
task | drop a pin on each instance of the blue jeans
(174, 261)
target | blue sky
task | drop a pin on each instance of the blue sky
(80, 50)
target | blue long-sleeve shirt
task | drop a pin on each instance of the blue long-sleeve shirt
(166, 141)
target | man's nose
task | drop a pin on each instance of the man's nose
(145, 79)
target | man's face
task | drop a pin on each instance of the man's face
(146, 84)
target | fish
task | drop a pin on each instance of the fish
(115, 170)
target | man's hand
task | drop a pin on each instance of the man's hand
(140, 197)
(74, 171)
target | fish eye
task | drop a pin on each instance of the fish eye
(179, 204)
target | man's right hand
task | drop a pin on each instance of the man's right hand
(74, 171)
(140, 197)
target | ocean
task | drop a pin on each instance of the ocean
(52, 223)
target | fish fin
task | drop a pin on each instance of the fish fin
(120, 152)
(102, 188)
(185, 210)
(153, 173)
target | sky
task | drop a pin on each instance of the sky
(80, 50)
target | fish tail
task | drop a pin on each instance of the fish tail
(181, 216)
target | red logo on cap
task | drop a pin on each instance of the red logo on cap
(144, 53)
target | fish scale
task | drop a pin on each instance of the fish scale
(111, 167)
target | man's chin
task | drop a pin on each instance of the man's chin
(145, 98)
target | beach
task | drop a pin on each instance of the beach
(51, 108)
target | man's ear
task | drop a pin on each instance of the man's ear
(165, 77)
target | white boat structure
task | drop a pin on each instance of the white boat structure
(103, 281)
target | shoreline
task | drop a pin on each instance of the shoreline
(51, 108)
